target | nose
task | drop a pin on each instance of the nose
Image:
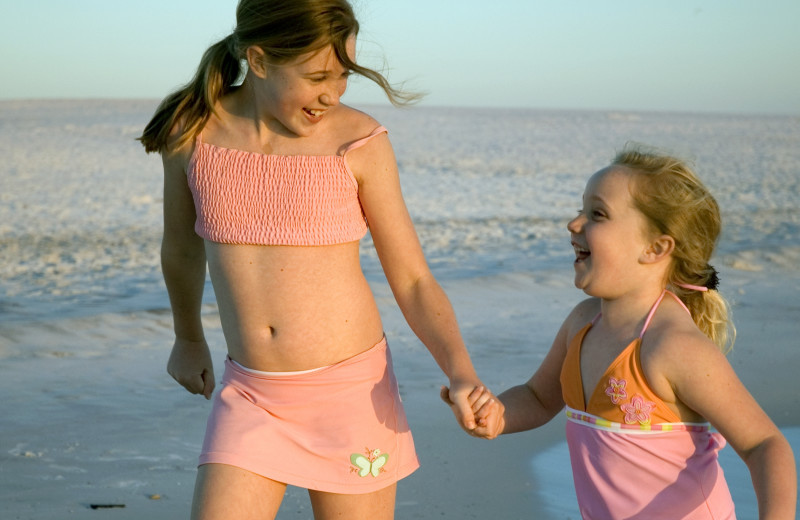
(332, 95)
(330, 99)
(575, 225)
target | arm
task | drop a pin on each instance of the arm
(424, 304)
(709, 386)
(183, 264)
(533, 404)
(536, 402)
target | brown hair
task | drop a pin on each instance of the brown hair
(676, 203)
(284, 30)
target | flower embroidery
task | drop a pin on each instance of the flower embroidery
(371, 464)
(638, 410)
(616, 389)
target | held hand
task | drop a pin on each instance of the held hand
(458, 400)
(190, 365)
(486, 408)
(464, 399)
(490, 418)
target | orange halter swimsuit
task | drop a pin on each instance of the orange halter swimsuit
(631, 456)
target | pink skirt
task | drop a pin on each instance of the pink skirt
(339, 429)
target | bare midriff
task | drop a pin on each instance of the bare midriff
(288, 308)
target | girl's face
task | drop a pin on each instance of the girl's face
(609, 235)
(298, 95)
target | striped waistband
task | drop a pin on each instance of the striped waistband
(593, 421)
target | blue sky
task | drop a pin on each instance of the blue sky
(667, 55)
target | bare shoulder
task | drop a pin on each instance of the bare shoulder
(673, 338)
(355, 124)
(377, 155)
(577, 319)
(581, 314)
(683, 356)
(351, 125)
(679, 361)
(176, 154)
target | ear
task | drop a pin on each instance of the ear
(659, 249)
(257, 61)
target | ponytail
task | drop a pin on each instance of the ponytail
(711, 314)
(192, 105)
(709, 310)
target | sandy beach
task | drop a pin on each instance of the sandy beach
(90, 417)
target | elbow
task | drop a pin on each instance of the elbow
(411, 288)
(184, 244)
(184, 253)
(771, 451)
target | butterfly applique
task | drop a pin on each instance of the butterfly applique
(371, 464)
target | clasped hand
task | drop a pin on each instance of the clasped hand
(481, 405)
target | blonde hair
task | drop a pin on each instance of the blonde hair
(676, 203)
(284, 30)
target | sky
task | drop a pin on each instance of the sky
(732, 56)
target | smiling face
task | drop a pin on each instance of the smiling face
(609, 235)
(299, 94)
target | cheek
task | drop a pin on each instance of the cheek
(594, 236)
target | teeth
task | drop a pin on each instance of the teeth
(314, 112)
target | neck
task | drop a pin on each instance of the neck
(254, 109)
(627, 313)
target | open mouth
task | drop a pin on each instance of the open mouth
(314, 114)
(581, 253)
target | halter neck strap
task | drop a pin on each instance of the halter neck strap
(654, 308)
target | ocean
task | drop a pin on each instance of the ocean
(490, 190)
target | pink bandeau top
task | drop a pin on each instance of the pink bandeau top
(298, 200)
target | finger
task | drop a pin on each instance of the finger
(484, 416)
(481, 401)
(464, 414)
(485, 433)
(476, 394)
(208, 383)
(444, 394)
(194, 384)
(481, 432)
(486, 408)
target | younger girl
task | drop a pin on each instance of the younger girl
(641, 364)
(271, 182)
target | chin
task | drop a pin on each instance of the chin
(582, 286)
(302, 131)
(579, 279)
